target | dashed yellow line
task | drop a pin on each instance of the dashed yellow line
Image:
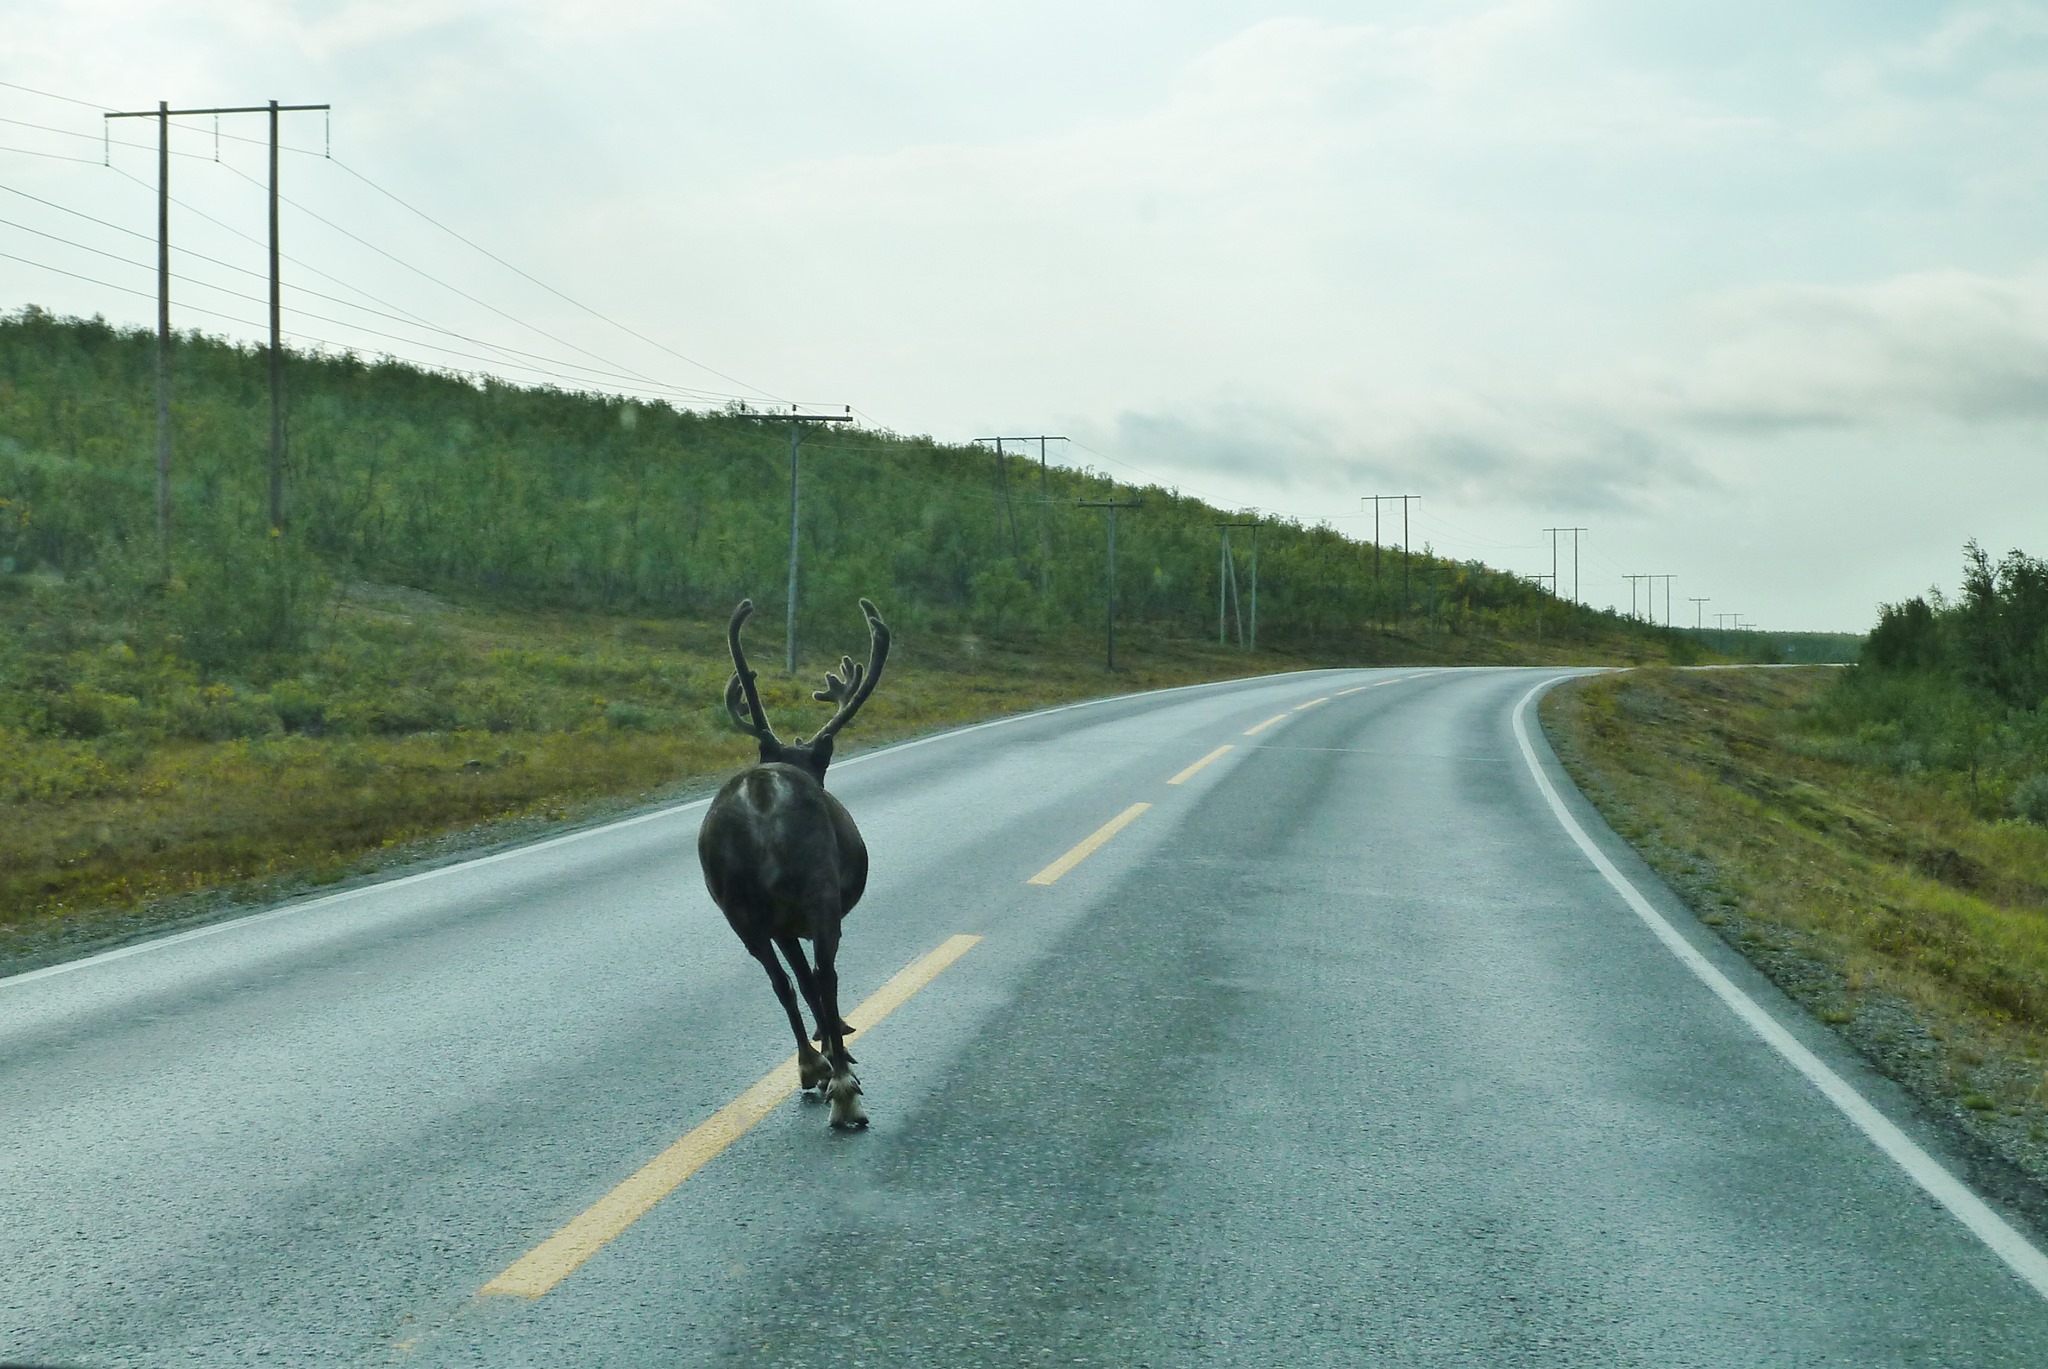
(1378, 683)
(1310, 704)
(554, 1259)
(1051, 873)
(1255, 731)
(1190, 772)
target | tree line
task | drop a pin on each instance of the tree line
(541, 497)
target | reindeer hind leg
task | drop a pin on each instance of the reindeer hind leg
(793, 951)
(843, 1089)
(811, 1069)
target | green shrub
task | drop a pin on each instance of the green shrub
(627, 716)
(2030, 799)
(85, 713)
(298, 706)
(240, 597)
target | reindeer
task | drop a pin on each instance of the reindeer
(785, 864)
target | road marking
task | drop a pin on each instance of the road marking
(1376, 684)
(582, 834)
(554, 1259)
(1051, 873)
(1255, 731)
(1966, 1207)
(1190, 772)
(1310, 704)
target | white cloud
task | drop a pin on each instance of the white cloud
(1949, 345)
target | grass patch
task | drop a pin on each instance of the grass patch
(141, 791)
(1894, 902)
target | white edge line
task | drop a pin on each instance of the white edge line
(419, 877)
(2005, 1241)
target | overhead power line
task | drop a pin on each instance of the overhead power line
(75, 213)
(297, 334)
(428, 276)
(145, 294)
(653, 387)
(467, 242)
(53, 156)
(524, 275)
(145, 147)
(48, 95)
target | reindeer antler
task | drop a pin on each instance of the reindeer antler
(850, 687)
(740, 688)
(842, 686)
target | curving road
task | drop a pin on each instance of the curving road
(1344, 1050)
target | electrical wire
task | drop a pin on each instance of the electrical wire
(53, 156)
(400, 314)
(1206, 497)
(76, 213)
(650, 386)
(49, 96)
(248, 323)
(618, 368)
(466, 241)
(104, 142)
(144, 294)
(104, 110)
(551, 289)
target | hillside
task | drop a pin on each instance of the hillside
(539, 497)
(491, 604)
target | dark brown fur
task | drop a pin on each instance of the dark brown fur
(785, 863)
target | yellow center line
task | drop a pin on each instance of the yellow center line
(1255, 731)
(1310, 704)
(1375, 685)
(1051, 873)
(554, 1259)
(1190, 771)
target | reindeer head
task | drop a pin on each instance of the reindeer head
(848, 687)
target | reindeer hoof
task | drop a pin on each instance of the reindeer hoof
(844, 1094)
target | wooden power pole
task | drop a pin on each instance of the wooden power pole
(796, 422)
(1109, 585)
(1044, 502)
(163, 114)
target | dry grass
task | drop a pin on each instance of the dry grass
(138, 792)
(553, 720)
(1917, 928)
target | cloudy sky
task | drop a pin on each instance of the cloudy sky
(1757, 293)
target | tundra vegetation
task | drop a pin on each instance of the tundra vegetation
(1875, 838)
(494, 607)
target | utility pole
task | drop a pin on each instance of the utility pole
(1699, 612)
(1406, 558)
(796, 422)
(1044, 503)
(1109, 587)
(1003, 490)
(1721, 620)
(163, 114)
(1667, 579)
(1632, 611)
(1575, 559)
(1231, 565)
(1226, 587)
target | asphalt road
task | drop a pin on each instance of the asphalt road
(1342, 1051)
